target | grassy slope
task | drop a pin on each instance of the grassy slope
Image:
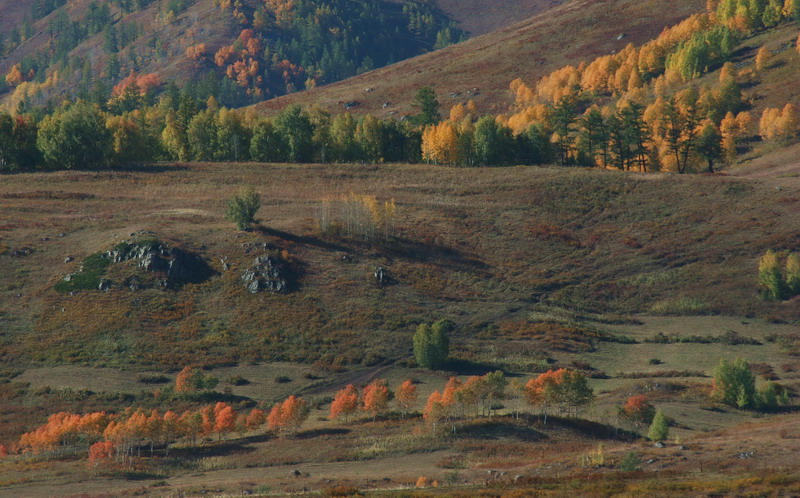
(478, 17)
(480, 249)
(566, 34)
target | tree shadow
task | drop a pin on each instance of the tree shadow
(500, 429)
(219, 448)
(430, 253)
(468, 367)
(301, 239)
(314, 433)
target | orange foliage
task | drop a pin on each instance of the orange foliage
(440, 143)
(224, 419)
(223, 55)
(183, 380)
(407, 395)
(15, 76)
(255, 419)
(762, 58)
(288, 415)
(100, 452)
(434, 408)
(144, 83)
(376, 397)
(345, 403)
(780, 124)
(196, 52)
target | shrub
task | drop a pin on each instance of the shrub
(630, 463)
(242, 208)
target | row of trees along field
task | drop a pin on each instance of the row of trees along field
(122, 437)
(282, 45)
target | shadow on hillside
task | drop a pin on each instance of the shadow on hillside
(500, 429)
(312, 433)
(219, 448)
(301, 239)
(397, 247)
(467, 367)
(430, 253)
(586, 428)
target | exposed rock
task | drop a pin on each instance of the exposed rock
(382, 276)
(68, 259)
(746, 454)
(659, 445)
(267, 273)
(295, 473)
(105, 284)
(179, 266)
(20, 252)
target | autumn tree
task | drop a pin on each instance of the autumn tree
(762, 58)
(406, 395)
(288, 415)
(255, 419)
(345, 403)
(637, 410)
(375, 397)
(224, 419)
(564, 388)
(191, 379)
(100, 453)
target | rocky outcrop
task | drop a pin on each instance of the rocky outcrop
(169, 266)
(268, 273)
(179, 266)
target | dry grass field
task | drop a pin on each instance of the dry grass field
(538, 267)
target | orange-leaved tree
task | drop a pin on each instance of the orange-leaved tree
(255, 419)
(224, 419)
(345, 403)
(406, 395)
(288, 415)
(100, 453)
(376, 397)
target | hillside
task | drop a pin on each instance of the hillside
(483, 250)
(482, 68)
(479, 17)
(538, 268)
(247, 51)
